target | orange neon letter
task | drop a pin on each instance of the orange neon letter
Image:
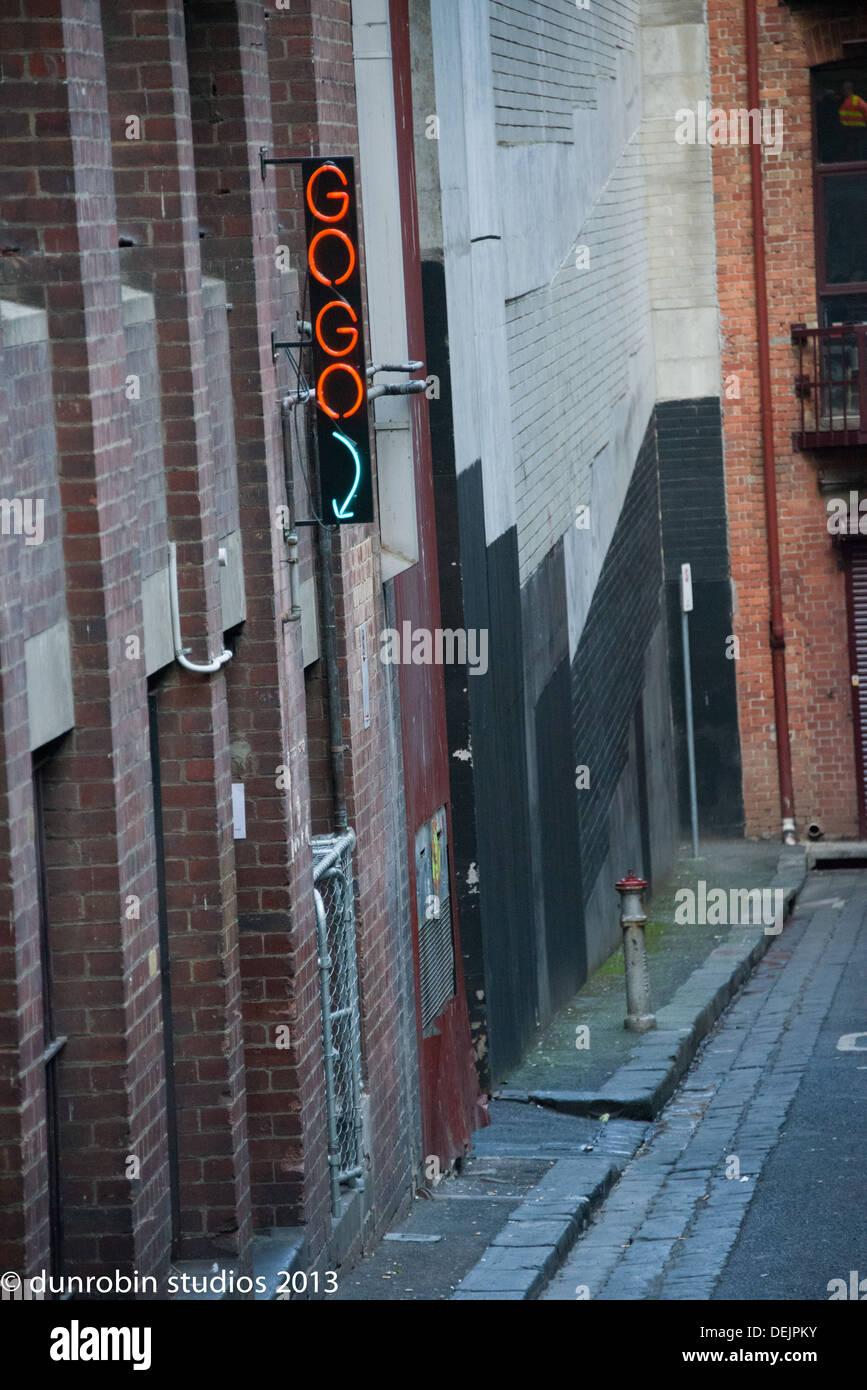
(342, 198)
(311, 256)
(351, 333)
(320, 390)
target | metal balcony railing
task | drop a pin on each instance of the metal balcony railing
(831, 386)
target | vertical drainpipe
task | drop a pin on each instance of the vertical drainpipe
(328, 615)
(777, 639)
(329, 651)
(290, 532)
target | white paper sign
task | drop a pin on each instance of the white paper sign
(686, 588)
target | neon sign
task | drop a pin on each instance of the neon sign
(339, 364)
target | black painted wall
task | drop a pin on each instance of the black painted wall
(692, 495)
(557, 883)
(497, 719)
(608, 667)
(560, 856)
(485, 716)
(528, 846)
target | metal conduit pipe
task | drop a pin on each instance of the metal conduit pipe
(402, 388)
(328, 615)
(376, 367)
(180, 650)
(777, 637)
(290, 533)
(329, 652)
(328, 1043)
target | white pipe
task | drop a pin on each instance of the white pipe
(218, 661)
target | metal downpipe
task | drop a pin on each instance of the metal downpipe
(777, 635)
(328, 1041)
(290, 532)
(329, 651)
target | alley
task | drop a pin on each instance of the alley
(433, 656)
(751, 1184)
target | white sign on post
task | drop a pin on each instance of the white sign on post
(686, 588)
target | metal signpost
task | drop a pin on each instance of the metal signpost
(685, 610)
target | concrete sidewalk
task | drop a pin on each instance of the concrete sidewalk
(694, 971)
(570, 1118)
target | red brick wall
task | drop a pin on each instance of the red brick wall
(99, 849)
(313, 105)
(88, 209)
(813, 590)
(238, 212)
(147, 78)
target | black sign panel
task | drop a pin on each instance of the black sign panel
(339, 361)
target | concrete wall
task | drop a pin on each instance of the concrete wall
(534, 202)
(679, 220)
(680, 226)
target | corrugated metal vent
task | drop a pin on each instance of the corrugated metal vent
(437, 953)
(435, 937)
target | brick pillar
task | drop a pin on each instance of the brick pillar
(98, 806)
(238, 220)
(147, 78)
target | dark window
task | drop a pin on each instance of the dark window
(846, 229)
(841, 114)
(845, 308)
(840, 106)
(52, 1043)
(165, 976)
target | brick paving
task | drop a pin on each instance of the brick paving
(666, 1230)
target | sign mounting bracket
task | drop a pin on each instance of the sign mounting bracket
(265, 159)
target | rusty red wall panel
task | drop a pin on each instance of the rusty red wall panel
(449, 1083)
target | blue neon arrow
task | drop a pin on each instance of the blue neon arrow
(340, 512)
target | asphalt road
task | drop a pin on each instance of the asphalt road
(752, 1182)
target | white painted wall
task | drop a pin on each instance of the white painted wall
(386, 300)
(581, 373)
(680, 208)
(579, 339)
(475, 270)
(556, 368)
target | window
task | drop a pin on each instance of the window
(165, 980)
(52, 1044)
(840, 107)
